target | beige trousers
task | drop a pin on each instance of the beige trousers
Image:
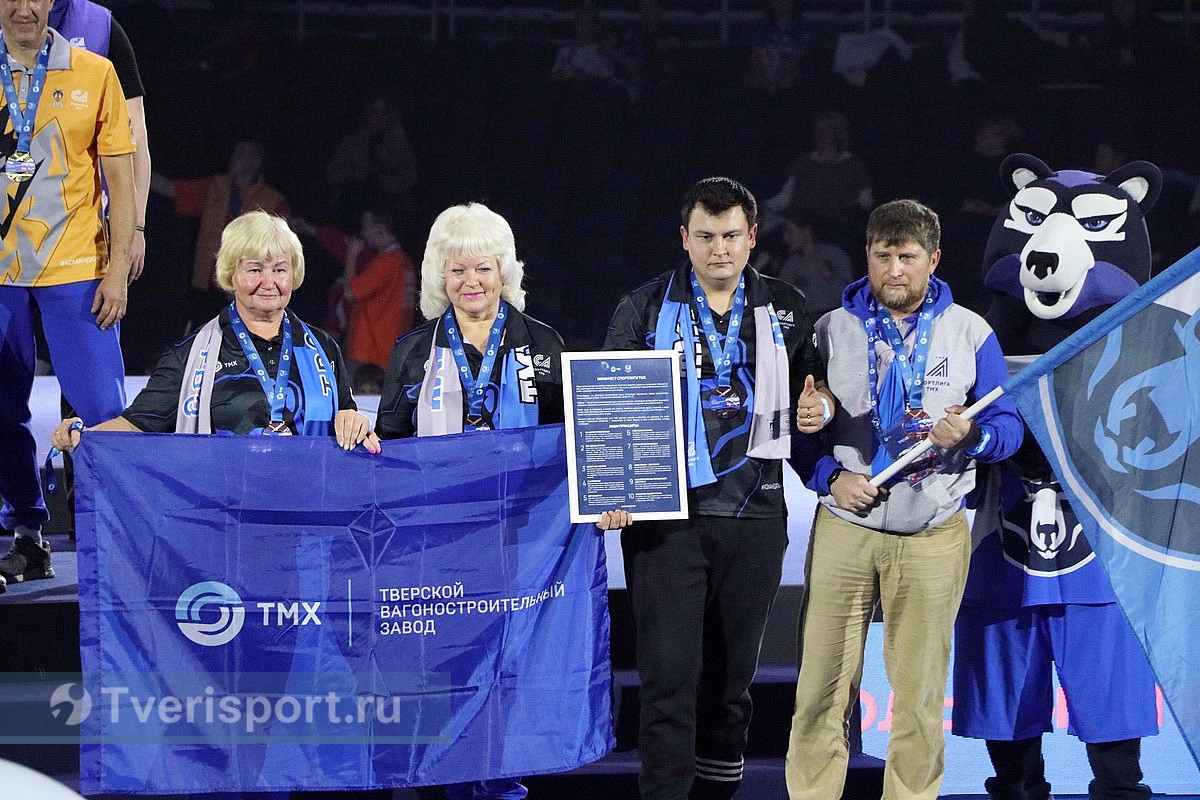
(919, 580)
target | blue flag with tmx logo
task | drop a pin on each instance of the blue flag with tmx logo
(275, 613)
(1116, 409)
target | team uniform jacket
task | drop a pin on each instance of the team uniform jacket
(745, 487)
(964, 364)
(397, 417)
(239, 404)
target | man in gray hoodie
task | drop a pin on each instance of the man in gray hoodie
(903, 362)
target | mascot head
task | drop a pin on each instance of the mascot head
(1069, 245)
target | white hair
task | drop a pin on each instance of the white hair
(471, 230)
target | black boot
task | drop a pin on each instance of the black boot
(1020, 770)
(1118, 771)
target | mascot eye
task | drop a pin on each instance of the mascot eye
(1094, 224)
(1033, 216)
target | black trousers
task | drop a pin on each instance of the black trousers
(701, 590)
(1020, 770)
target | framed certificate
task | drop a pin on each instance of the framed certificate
(624, 426)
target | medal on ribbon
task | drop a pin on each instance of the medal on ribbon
(475, 386)
(20, 166)
(914, 424)
(724, 400)
(276, 390)
(917, 424)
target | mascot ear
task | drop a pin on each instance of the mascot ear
(1141, 180)
(1022, 169)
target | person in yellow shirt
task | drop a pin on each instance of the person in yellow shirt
(63, 120)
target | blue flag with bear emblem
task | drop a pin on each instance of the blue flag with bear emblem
(1116, 409)
(275, 613)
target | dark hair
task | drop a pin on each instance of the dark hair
(367, 378)
(384, 215)
(903, 221)
(717, 195)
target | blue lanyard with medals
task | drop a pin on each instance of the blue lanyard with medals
(19, 166)
(917, 422)
(475, 387)
(724, 401)
(277, 391)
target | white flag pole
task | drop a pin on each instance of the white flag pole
(921, 448)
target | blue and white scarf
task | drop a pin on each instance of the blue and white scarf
(313, 417)
(770, 432)
(440, 402)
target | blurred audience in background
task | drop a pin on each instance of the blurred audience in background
(217, 200)
(648, 97)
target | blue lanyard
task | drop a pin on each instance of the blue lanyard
(912, 368)
(475, 386)
(722, 354)
(23, 123)
(275, 392)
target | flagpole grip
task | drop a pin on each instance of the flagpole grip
(921, 448)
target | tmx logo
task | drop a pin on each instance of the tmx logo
(211, 614)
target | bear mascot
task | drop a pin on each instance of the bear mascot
(1069, 245)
